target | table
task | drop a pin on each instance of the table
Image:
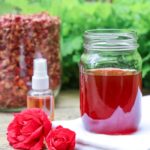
(66, 107)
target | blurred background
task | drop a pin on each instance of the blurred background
(80, 15)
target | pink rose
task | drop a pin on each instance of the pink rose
(61, 139)
(28, 129)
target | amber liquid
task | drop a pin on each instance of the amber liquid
(45, 103)
(110, 100)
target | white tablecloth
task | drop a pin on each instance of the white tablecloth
(85, 140)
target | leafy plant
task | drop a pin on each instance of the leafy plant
(80, 15)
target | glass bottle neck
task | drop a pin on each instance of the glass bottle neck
(110, 40)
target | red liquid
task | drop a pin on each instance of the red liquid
(110, 100)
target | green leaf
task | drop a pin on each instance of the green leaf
(71, 44)
(5, 8)
(146, 58)
(145, 70)
(76, 58)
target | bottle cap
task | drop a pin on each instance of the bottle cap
(40, 79)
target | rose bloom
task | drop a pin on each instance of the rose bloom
(28, 129)
(61, 139)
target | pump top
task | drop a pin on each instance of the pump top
(40, 79)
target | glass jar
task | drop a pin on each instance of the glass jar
(110, 81)
(26, 32)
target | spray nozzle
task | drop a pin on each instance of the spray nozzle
(40, 67)
(40, 79)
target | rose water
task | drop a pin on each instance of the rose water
(41, 96)
(110, 100)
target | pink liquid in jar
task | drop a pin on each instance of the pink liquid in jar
(110, 100)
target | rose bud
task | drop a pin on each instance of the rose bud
(28, 129)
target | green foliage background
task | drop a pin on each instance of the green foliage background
(79, 15)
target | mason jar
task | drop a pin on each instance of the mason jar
(27, 31)
(110, 81)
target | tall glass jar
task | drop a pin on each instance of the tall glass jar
(27, 31)
(110, 81)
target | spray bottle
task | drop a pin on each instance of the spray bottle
(40, 96)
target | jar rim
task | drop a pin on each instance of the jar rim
(110, 30)
(110, 39)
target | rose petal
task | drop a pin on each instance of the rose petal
(21, 138)
(29, 127)
(21, 146)
(46, 123)
(38, 145)
(34, 135)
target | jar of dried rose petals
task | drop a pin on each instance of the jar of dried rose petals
(23, 38)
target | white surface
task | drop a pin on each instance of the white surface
(140, 140)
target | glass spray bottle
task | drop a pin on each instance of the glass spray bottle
(41, 96)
